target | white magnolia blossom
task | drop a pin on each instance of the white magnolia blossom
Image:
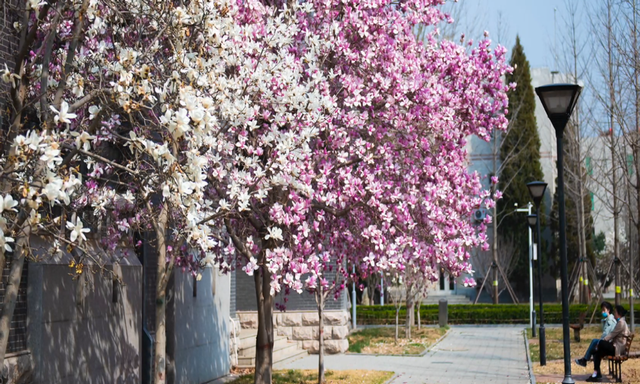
(35, 4)
(63, 115)
(274, 233)
(83, 140)
(10, 78)
(7, 203)
(4, 242)
(77, 229)
(94, 110)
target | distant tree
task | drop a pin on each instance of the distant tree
(572, 231)
(521, 145)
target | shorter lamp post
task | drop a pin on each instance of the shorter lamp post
(536, 190)
(558, 101)
(532, 311)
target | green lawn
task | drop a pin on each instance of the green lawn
(382, 340)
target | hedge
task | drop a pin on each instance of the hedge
(473, 313)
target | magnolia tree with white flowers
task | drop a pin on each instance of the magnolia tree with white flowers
(277, 138)
(135, 116)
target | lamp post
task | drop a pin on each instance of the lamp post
(536, 190)
(532, 311)
(558, 101)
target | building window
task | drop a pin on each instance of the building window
(18, 327)
(593, 201)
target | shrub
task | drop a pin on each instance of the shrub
(472, 314)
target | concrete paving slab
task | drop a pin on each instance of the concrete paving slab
(467, 355)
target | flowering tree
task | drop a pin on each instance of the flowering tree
(274, 137)
(378, 174)
(383, 182)
(142, 116)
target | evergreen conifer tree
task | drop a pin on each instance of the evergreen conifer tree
(520, 157)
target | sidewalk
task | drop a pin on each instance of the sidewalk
(467, 355)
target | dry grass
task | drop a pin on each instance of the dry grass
(554, 369)
(381, 341)
(555, 349)
(331, 377)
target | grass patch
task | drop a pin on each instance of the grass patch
(555, 354)
(555, 347)
(381, 341)
(553, 372)
(331, 377)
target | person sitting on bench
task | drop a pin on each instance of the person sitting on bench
(608, 324)
(613, 344)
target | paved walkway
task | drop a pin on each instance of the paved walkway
(467, 355)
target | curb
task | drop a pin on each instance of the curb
(532, 377)
(436, 343)
(224, 379)
(395, 376)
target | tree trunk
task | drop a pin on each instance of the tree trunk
(371, 288)
(320, 336)
(397, 315)
(264, 339)
(418, 313)
(614, 170)
(636, 75)
(494, 253)
(582, 235)
(160, 342)
(410, 308)
(11, 290)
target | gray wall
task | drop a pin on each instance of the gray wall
(76, 332)
(246, 296)
(202, 326)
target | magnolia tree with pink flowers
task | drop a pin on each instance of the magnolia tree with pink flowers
(283, 139)
(383, 183)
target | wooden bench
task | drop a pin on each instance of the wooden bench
(578, 327)
(615, 362)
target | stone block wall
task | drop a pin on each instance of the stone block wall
(303, 327)
(234, 342)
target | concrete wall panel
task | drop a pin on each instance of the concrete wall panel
(202, 327)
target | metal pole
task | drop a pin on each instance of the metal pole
(381, 290)
(563, 260)
(532, 315)
(543, 348)
(617, 280)
(353, 297)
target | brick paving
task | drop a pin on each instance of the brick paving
(468, 354)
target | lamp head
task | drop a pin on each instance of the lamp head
(536, 190)
(558, 101)
(532, 220)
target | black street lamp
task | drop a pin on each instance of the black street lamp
(558, 101)
(536, 190)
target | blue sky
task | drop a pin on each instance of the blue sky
(533, 20)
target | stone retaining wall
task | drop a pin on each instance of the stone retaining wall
(302, 326)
